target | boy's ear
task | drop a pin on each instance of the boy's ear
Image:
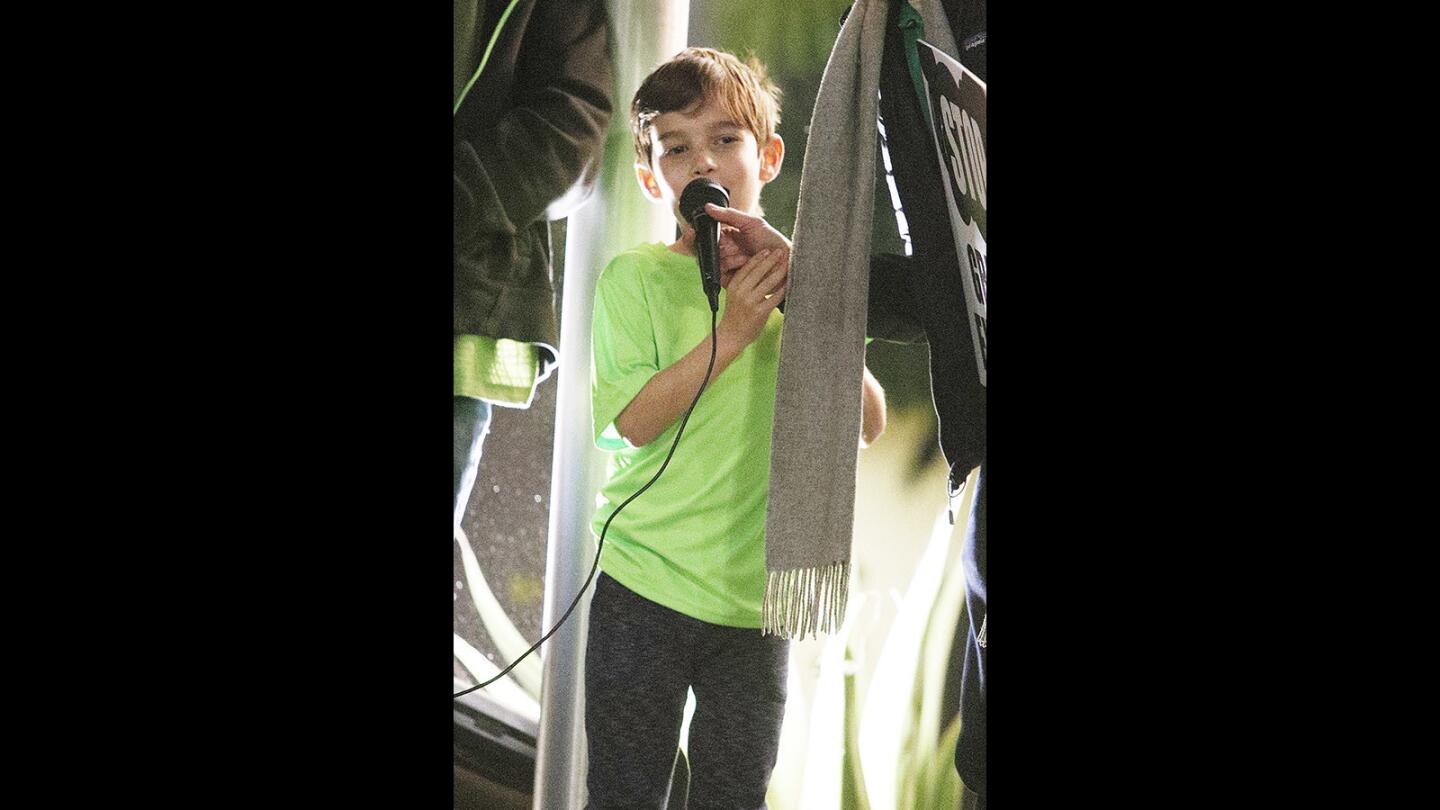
(648, 184)
(772, 155)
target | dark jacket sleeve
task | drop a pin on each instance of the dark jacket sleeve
(515, 155)
(892, 314)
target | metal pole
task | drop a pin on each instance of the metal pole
(644, 33)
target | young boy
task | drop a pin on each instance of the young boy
(677, 605)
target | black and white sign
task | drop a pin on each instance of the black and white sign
(957, 111)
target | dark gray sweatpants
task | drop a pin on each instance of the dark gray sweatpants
(639, 660)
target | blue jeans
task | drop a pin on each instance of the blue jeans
(472, 422)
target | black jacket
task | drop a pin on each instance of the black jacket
(922, 298)
(531, 126)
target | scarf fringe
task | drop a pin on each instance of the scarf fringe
(806, 600)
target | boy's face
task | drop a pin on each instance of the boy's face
(703, 141)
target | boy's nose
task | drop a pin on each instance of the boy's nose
(704, 163)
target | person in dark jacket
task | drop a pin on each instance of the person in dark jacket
(921, 298)
(533, 85)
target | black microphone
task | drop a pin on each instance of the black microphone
(707, 231)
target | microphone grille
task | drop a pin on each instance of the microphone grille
(699, 192)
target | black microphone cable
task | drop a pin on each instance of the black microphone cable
(601, 545)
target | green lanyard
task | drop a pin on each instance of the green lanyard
(912, 28)
(486, 56)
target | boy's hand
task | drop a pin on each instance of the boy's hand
(741, 237)
(751, 292)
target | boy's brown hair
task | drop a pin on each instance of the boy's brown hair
(705, 74)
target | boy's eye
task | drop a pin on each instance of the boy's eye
(675, 150)
(729, 139)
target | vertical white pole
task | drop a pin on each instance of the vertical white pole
(645, 33)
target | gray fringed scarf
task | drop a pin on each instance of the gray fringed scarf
(811, 515)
